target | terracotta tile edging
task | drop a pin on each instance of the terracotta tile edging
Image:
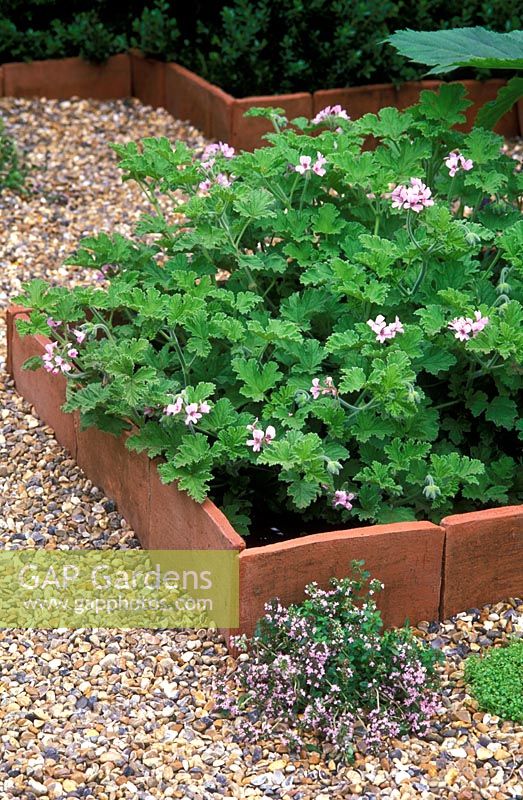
(218, 114)
(69, 77)
(428, 570)
(483, 558)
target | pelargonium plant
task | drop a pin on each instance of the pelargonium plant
(325, 667)
(328, 330)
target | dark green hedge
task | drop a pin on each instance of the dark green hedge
(246, 46)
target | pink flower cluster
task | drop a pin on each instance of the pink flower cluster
(382, 330)
(466, 328)
(342, 499)
(415, 197)
(330, 111)
(306, 165)
(54, 362)
(327, 388)
(259, 437)
(208, 162)
(220, 180)
(212, 150)
(193, 411)
(455, 161)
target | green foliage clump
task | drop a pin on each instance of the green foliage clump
(157, 32)
(496, 680)
(264, 47)
(326, 667)
(12, 173)
(330, 330)
(247, 46)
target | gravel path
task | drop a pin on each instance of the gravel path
(112, 714)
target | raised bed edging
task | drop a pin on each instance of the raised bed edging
(216, 113)
(429, 571)
(62, 78)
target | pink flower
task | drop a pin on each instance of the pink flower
(205, 185)
(226, 149)
(328, 387)
(415, 197)
(462, 327)
(256, 441)
(174, 408)
(330, 111)
(479, 322)
(318, 166)
(49, 349)
(466, 328)
(304, 165)
(270, 434)
(207, 165)
(204, 407)
(342, 499)
(315, 389)
(72, 352)
(260, 438)
(215, 149)
(455, 161)
(192, 413)
(382, 330)
(54, 323)
(79, 335)
(223, 180)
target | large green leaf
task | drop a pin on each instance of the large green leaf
(462, 47)
(494, 109)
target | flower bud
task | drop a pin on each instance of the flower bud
(472, 238)
(431, 491)
(413, 395)
(333, 467)
(503, 288)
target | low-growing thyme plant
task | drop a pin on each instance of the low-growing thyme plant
(325, 667)
(328, 329)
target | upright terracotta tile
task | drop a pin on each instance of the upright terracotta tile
(148, 79)
(1, 81)
(406, 557)
(44, 391)
(69, 77)
(483, 560)
(192, 98)
(407, 94)
(122, 474)
(177, 522)
(247, 132)
(356, 100)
